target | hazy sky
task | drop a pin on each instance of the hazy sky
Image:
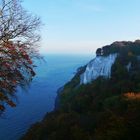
(81, 26)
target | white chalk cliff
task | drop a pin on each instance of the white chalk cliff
(99, 66)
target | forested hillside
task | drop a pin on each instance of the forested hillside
(105, 109)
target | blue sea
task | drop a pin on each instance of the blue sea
(36, 100)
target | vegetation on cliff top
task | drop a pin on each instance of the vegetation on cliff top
(122, 47)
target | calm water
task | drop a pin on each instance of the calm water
(40, 97)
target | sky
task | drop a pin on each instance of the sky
(82, 26)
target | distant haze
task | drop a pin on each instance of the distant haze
(81, 26)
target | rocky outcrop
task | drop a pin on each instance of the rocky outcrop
(99, 66)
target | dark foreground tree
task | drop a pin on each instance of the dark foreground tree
(18, 46)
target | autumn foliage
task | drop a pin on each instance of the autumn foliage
(132, 96)
(18, 41)
(16, 68)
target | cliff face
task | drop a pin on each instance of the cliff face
(105, 57)
(100, 66)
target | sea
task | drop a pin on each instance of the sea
(34, 101)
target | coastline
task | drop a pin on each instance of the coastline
(57, 99)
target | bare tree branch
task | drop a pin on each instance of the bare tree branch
(19, 37)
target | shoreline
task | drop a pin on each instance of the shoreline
(57, 99)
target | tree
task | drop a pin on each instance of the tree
(19, 39)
